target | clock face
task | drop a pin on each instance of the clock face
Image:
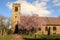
(15, 15)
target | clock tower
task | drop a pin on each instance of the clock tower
(15, 15)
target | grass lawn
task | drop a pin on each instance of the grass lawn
(7, 37)
(31, 36)
(41, 36)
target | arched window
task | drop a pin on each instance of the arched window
(54, 28)
(39, 29)
(16, 8)
(46, 28)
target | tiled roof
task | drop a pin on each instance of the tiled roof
(37, 22)
(52, 20)
(48, 20)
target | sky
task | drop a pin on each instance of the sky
(46, 8)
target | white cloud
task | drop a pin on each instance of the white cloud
(44, 0)
(56, 2)
(9, 5)
(36, 7)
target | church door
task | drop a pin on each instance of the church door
(16, 29)
(49, 31)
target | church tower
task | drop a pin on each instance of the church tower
(15, 15)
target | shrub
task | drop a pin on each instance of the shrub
(9, 32)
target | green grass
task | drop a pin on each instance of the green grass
(7, 37)
(41, 36)
(31, 36)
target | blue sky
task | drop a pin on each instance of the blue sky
(4, 10)
(39, 7)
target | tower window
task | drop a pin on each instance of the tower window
(46, 28)
(54, 28)
(16, 8)
(39, 29)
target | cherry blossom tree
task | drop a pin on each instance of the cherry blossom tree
(31, 23)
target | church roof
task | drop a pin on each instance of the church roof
(48, 20)
(35, 21)
(51, 20)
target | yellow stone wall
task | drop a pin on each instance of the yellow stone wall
(58, 30)
(15, 13)
(43, 31)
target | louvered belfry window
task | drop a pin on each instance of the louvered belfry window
(16, 8)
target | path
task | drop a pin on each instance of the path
(17, 37)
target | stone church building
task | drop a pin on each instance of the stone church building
(47, 25)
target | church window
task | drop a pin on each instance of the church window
(54, 28)
(16, 8)
(39, 29)
(46, 28)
